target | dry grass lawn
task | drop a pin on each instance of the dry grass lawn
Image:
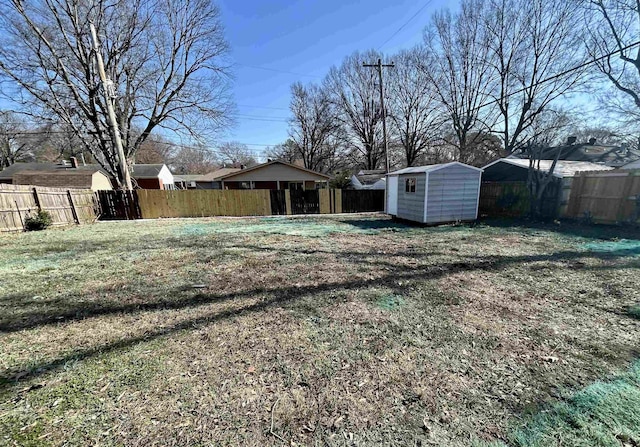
(328, 331)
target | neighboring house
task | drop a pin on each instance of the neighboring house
(146, 176)
(186, 181)
(447, 192)
(369, 179)
(203, 181)
(274, 175)
(517, 169)
(68, 175)
(607, 155)
(156, 176)
(93, 179)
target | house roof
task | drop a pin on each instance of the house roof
(146, 171)
(370, 179)
(615, 156)
(139, 171)
(564, 168)
(188, 178)
(264, 165)
(215, 175)
(9, 172)
(371, 172)
(431, 168)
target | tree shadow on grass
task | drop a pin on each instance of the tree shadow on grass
(72, 307)
(397, 279)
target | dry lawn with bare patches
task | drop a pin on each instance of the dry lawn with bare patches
(328, 331)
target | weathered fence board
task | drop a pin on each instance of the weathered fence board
(202, 203)
(512, 199)
(66, 206)
(606, 197)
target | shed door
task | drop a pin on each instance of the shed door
(392, 195)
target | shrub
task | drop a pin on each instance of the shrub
(41, 221)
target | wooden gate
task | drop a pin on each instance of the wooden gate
(305, 202)
(278, 202)
(118, 205)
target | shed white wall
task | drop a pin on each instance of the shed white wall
(392, 195)
(452, 194)
(411, 205)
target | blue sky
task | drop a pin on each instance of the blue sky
(304, 38)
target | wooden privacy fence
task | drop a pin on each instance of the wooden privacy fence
(512, 199)
(506, 199)
(66, 206)
(606, 197)
(153, 204)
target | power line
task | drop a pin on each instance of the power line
(257, 67)
(405, 24)
(262, 107)
(560, 75)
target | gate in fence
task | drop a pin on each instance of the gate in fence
(305, 202)
(118, 205)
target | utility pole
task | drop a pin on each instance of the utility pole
(107, 86)
(379, 66)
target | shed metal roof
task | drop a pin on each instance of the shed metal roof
(431, 168)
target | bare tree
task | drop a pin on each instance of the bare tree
(314, 126)
(15, 140)
(353, 89)
(459, 71)
(156, 150)
(414, 111)
(531, 42)
(614, 30)
(164, 57)
(236, 154)
(194, 160)
(286, 152)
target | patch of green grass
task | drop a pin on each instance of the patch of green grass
(390, 302)
(616, 247)
(634, 311)
(604, 414)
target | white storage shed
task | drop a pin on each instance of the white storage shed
(433, 194)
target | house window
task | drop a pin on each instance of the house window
(410, 185)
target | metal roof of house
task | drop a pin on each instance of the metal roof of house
(564, 168)
(615, 156)
(430, 168)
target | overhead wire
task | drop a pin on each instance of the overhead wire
(427, 3)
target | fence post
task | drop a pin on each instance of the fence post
(626, 192)
(575, 195)
(287, 200)
(74, 212)
(36, 198)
